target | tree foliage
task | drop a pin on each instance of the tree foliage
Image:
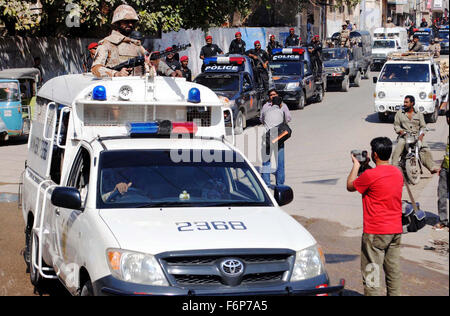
(93, 17)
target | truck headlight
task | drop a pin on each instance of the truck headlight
(309, 263)
(381, 94)
(292, 85)
(423, 95)
(227, 103)
(135, 267)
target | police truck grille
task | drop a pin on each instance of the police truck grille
(197, 269)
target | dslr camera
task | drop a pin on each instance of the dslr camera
(361, 156)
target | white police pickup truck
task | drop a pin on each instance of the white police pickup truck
(131, 189)
(416, 74)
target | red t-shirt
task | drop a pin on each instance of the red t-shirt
(381, 188)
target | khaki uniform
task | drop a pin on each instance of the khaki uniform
(113, 50)
(416, 47)
(345, 38)
(435, 49)
(390, 24)
(417, 123)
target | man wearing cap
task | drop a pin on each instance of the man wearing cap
(292, 40)
(87, 63)
(118, 47)
(272, 45)
(209, 50)
(416, 46)
(171, 61)
(424, 23)
(261, 59)
(315, 51)
(389, 23)
(187, 73)
(237, 45)
(161, 68)
(435, 48)
(345, 36)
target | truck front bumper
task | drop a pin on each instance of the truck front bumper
(335, 78)
(425, 107)
(290, 95)
(109, 286)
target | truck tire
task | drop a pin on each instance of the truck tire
(35, 277)
(433, 117)
(357, 80)
(320, 94)
(87, 289)
(300, 105)
(345, 85)
(240, 123)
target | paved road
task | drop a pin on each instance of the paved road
(317, 162)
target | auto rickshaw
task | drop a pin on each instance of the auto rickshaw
(18, 88)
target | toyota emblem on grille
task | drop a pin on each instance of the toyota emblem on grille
(232, 267)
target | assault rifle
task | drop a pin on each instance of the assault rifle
(140, 60)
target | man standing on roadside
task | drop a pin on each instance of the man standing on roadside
(381, 189)
(273, 114)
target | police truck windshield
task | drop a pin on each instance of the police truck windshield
(443, 34)
(9, 91)
(334, 54)
(383, 44)
(424, 38)
(405, 73)
(220, 82)
(164, 178)
(286, 68)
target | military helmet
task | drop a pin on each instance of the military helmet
(124, 12)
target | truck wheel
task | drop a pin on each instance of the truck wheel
(240, 123)
(301, 102)
(382, 117)
(35, 277)
(87, 289)
(433, 117)
(357, 80)
(345, 84)
(320, 94)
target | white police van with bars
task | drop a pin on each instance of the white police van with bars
(234, 79)
(293, 77)
(130, 188)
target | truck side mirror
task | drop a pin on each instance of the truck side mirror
(375, 79)
(66, 197)
(283, 195)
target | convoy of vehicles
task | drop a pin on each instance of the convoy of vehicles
(18, 87)
(341, 68)
(416, 74)
(130, 188)
(238, 85)
(443, 37)
(385, 42)
(293, 77)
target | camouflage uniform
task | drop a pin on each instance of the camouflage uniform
(345, 38)
(117, 48)
(435, 49)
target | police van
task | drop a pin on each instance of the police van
(237, 84)
(130, 188)
(292, 75)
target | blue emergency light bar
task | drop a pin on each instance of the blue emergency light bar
(224, 60)
(288, 51)
(164, 128)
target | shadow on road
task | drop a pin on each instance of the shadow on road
(331, 258)
(373, 118)
(15, 141)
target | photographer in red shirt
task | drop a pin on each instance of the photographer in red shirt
(381, 189)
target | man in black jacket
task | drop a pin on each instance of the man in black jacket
(292, 40)
(261, 59)
(237, 45)
(272, 45)
(209, 50)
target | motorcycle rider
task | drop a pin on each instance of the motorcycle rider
(237, 45)
(119, 47)
(408, 120)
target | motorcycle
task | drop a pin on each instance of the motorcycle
(410, 161)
